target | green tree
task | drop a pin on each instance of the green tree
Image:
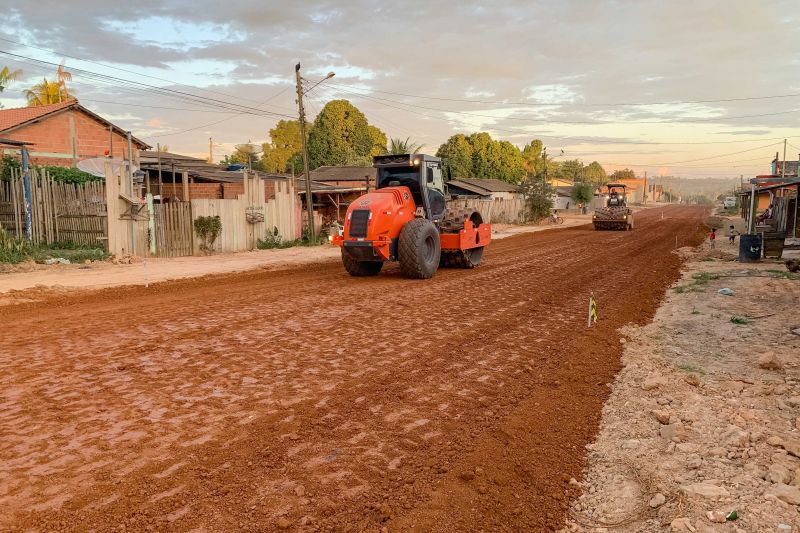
(379, 140)
(340, 136)
(626, 174)
(595, 173)
(400, 146)
(538, 199)
(582, 193)
(457, 154)
(532, 157)
(285, 142)
(7, 76)
(572, 170)
(480, 156)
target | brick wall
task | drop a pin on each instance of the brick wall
(232, 190)
(52, 135)
(212, 190)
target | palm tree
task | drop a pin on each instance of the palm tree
(7, 76)
(46, 92)
(63, 76)
(399, 146)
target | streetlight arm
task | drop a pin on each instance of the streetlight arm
(329, 76)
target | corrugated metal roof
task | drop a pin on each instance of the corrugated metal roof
(197, 168)
(460, 184)
(488, 185)
(344, 173)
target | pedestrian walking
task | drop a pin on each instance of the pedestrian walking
(712, 237)
(732, 233)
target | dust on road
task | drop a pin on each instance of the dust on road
(307, 399)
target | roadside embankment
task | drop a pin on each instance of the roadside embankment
(702, 429)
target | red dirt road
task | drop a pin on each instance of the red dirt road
(309, 400)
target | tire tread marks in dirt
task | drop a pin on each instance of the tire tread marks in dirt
(301, 397)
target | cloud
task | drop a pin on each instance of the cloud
(572, 54)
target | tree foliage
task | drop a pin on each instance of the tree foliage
(457, 154)
(595, 174)
(400, 146)
(572, 170)
(341, 135)
(480, 156)
(379, 141)
(285, 142)
(538, 198)
(626, 174)
(7, 76)
(533, 160)
(582, 192)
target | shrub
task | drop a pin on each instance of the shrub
(63, 174)
(12, 249)
(70, 175)
(538, 199)
(273, 240)
(208, 229)
(582, 193)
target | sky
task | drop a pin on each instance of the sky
(698, 88)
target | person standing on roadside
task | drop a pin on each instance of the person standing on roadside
(712, 237)
(732, 233)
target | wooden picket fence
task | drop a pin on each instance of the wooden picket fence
(173, 229)
(59, 211)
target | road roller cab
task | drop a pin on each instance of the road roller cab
(407, 219)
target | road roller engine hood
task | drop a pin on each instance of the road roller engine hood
(380, 213)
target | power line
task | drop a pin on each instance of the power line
(567, 138)
(717, 156)
(541, 104)
(212, 102)
(141, 74)
(127, 104)
(212, 123)
(595, 122)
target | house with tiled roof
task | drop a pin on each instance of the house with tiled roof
(64, 133)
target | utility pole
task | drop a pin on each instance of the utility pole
(131, 232)
(544, 160)
(783, 165)
(302, 113)
(210, 151)
(644, 198)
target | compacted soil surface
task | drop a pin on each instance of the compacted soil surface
(305, 399)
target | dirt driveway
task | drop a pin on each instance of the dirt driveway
(309, 400)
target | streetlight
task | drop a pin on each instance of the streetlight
(302, 113)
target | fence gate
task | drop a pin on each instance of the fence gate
(173, 229)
